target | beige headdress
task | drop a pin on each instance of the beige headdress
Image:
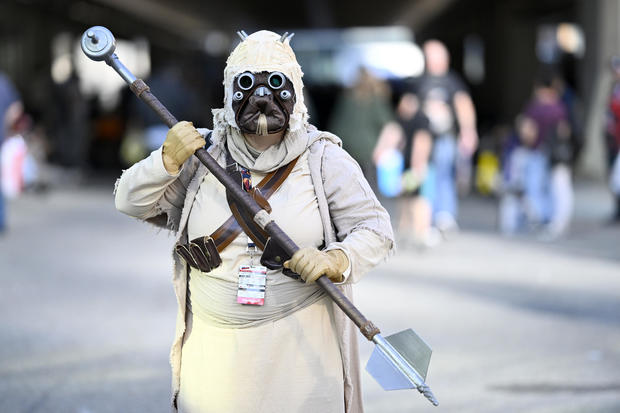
(258, 52)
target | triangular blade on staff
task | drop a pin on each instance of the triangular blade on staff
(413, 349)
(400, 361)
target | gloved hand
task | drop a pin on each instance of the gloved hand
(181, 142)
(311, 263)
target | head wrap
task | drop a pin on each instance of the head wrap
(262, 51)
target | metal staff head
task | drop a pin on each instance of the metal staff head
(98, 44)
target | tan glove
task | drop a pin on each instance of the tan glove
(311, 263)
(181, 142)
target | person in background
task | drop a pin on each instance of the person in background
(19, 167)
(171, 86)
(613, 136)
(452, 117)
(359, 116)
(553, 138)
(561, 182)
(73, 126)
(524, 201)
(10, 109)
(418, 178)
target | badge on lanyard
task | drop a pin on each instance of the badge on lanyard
(252, 280)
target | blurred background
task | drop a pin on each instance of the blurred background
(489, 129)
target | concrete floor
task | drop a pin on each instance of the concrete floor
(87, 312)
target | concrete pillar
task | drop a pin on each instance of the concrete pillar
(600, 20)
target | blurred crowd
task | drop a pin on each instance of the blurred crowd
(425, 152)
(415, 139)
(423, 148)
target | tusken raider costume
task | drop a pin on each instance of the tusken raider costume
(251, 337)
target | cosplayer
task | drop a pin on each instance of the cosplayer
(272, 344)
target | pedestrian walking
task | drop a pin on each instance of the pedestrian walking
(10, 109)
(415, 222)
(524, 203)
(613, 136)
(452, 116)
(358, 118)
(553, 140)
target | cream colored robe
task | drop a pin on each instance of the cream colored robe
(352, 220)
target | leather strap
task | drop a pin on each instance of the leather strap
(243, 221)
(203, 252)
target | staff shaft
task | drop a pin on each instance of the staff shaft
(366, 327)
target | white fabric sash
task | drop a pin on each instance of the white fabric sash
(214, 301)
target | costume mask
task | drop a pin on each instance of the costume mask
(262, 102)
(248, 92)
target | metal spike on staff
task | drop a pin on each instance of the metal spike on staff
(399, 361)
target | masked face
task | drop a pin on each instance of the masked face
(262, 102)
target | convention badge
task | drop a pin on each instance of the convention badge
(252, 282)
